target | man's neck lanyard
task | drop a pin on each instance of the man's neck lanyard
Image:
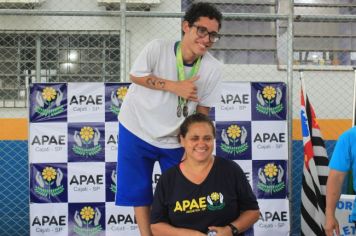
(182, 103)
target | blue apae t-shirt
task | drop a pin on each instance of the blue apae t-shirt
(343, 158)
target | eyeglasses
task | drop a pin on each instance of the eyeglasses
(203, 31)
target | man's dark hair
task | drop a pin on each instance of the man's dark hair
(202, 9)
(192, 119)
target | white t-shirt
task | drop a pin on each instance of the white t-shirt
(152, 114)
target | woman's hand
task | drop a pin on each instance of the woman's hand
(221, 231)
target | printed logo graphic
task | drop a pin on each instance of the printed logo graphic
(113, 179)
(48, 102)
(86, 181)
(110, 181)
(215, 201)
(117, 99)
(87, 141)
(212, 202)
(235, 102)
(49, 219)
(234, 140)
(115, 94)
(191, 206)
(48, 142)
(120, 220)
(271, 178)
(274, 216)
(49, 182)
(269, 101)
(87, 221)
(111, 141)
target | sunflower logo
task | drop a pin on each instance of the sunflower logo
(49, 174)
(87, 141)
(48, 102)
(49, 182)
(269, 102)
(121, 92)
(91, 220)
(234, 131)
(269, 92)
(49, 94)
(117, 98)
(87, 213)
(234, 139)
(215, 201)
(87, 133)
(271, 170)
(271, 178)
(214, 196)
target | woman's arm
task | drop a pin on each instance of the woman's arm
(243, 223)
(246, 220)
(165, 229)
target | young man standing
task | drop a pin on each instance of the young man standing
(171, 80)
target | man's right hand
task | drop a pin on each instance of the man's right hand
(331, 224)
(186, 89)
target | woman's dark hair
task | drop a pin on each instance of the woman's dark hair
(202, 9)
(192, 119)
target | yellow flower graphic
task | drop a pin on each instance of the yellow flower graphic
(49, 174)
(269, 92)
(49, 93)
(214, 196)
(121, 92)
(87, 133)
(87, 213)
(234, 131)
(270, 170)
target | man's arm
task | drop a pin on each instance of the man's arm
(333, 191)
(185, 89)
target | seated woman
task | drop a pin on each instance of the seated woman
(203, 193)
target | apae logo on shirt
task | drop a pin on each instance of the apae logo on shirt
(215, 202)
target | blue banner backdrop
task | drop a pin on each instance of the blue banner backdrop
(73, 147)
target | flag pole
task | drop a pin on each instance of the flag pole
(302, 84)
(315, 170)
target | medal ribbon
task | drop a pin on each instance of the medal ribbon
(181, 73)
